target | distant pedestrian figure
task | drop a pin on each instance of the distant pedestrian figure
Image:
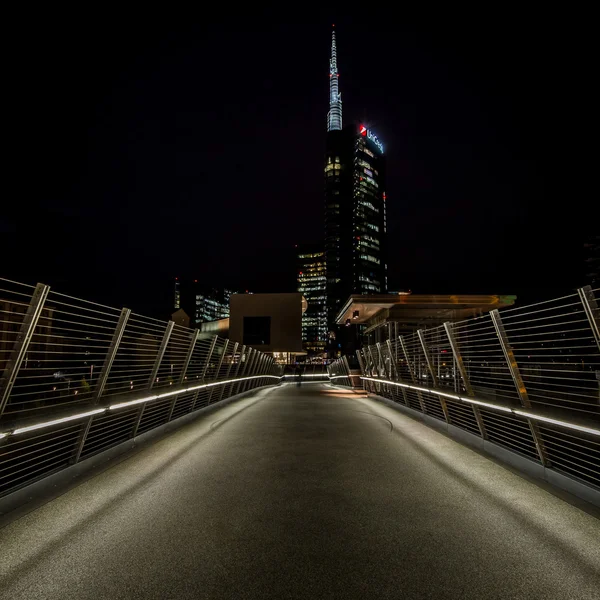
(298, 375)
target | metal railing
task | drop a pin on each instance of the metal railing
(525, 378)
(338, 372)
(79, 378)
(309, 372)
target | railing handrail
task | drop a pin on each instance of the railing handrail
(80, 377)
(534, 390)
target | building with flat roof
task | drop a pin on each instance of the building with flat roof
(271, 323)
(386, 316)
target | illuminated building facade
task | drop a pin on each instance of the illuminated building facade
(212, 305)
(201, 303)
(311, 284)
(355, 216)
(355, 207)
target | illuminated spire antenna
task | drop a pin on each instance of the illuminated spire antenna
(334, 116)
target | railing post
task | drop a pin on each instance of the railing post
(393, 366)
(264, 367)
(188, 356)
(256, 370)
(381, 371)
(209, 357)
(380, 368)
(592, 312)
(205, 369)
(216, 377)
(374, 368)
(412, 374)
(222, 387)
(386, 362)
(154, 373)
(260, 369)
(22, 341)
(238, 366)
(434, 378)
(244, 368)
(186, 364)
(513, 367)
(347, 367)
(464, 376)
(395, 371)
(361, 364)
(250, 370)
(368, 370)
(103, 377)
(370, 367)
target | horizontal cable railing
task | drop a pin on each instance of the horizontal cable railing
(526, 378)
(339, 373)
(79, 378)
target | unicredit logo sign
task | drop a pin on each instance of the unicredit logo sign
(369, 134)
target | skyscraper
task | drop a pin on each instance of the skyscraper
(334, 116)
(201, 303)
(355, 211)
(311, 283)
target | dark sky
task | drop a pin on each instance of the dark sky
(148, 147)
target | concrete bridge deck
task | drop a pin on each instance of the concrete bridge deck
(310, 492)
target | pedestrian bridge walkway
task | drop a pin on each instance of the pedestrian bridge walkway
(304, 492)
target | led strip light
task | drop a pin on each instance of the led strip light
(470, 400)
(98, 411)
(309, 375)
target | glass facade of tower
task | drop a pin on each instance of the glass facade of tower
(212, 305)
(311, 284)
(355, 216)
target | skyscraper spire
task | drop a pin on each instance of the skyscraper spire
(334, 116)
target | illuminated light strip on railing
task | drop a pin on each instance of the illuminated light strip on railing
(486, 404)
(470, 400)
(98, 411)
(89, 413)
(339, 376)
(192, 388)
(309, 375)
(557, 422)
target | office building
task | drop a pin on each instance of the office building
(200, 303)
(311, 284)
(211, 305)
(355, 206)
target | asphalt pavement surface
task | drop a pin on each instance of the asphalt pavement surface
(304, 492)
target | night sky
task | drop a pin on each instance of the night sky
(147, 147)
